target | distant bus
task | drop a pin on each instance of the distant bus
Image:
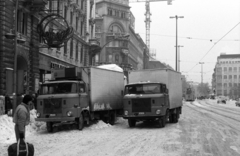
(190, 94)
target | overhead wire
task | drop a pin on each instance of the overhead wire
(215, 44)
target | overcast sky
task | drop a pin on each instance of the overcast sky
(205, 22)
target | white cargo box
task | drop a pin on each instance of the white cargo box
(171, 78)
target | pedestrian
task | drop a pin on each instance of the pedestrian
(21, 116)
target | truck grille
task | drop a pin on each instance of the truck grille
(52, 106)
(141, 105)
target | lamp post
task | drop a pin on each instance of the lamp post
(176, 17)
(14, 36)
(201, 71)
(178, 58)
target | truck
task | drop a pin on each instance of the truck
(80, 95)
(153, 95)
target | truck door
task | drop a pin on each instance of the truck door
(83, 96)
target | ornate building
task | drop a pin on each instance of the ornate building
(115, 31)
(34, 59)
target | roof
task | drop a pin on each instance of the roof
(158, 64)
(229, 56)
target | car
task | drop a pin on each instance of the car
(237, 103)
(221, 101)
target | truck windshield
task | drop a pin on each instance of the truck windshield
(143, 89)
(58, 88)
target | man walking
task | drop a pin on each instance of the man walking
(21, 116)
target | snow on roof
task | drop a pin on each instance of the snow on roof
(113, 67)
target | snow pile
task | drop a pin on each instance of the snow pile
(100, 125)
(111, 67)
(7, 132)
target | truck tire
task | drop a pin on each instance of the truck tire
(131, 122)
(112, 118)
(49, 127)
(80, 123)
(162, 121)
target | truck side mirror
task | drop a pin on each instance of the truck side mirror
(167, 91)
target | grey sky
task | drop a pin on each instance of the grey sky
(204, 20)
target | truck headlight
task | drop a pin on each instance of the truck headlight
(38, 114)
(158, 111)
(126, 112)
(69, 113)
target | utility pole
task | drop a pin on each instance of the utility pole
(176, 17)
(178, 57)
(201, 71)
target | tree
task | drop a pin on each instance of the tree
(203, 89)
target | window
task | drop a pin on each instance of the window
(65, 12)
(77, 20)
(110, 58)
(71, 18)
(65, 48)
(229, 76)
(235, 76)
(219, 84)
(22, 22)
(225, 68)
(117, 58)
(235, 69)
(71, 48)
(76, 53)
(230, 84)
(81, 52)
(230, 69)
(225, 76)
(225, 84)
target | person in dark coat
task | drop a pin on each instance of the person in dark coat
(21, 116)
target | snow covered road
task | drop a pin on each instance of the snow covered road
(204, 129)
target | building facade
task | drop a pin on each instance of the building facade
(115, 31)
(227, 76)
(35, 60)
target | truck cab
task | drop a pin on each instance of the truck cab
(62, 101)
(146, 101)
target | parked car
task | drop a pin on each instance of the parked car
(221, 99)
(238, 103)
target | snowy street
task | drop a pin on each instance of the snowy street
(205, 128)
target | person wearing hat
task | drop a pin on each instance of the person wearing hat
(21, 116)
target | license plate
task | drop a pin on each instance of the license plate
(52, 114)
(141, 113)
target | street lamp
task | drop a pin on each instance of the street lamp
(14, 36)
(178, 58)
(176, 34)
(201, 70)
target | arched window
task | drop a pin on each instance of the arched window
(115, 29)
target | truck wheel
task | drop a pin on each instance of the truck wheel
(80, 122)
(131, 123)
(162, 121)
(49, 127)
(112, 118)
